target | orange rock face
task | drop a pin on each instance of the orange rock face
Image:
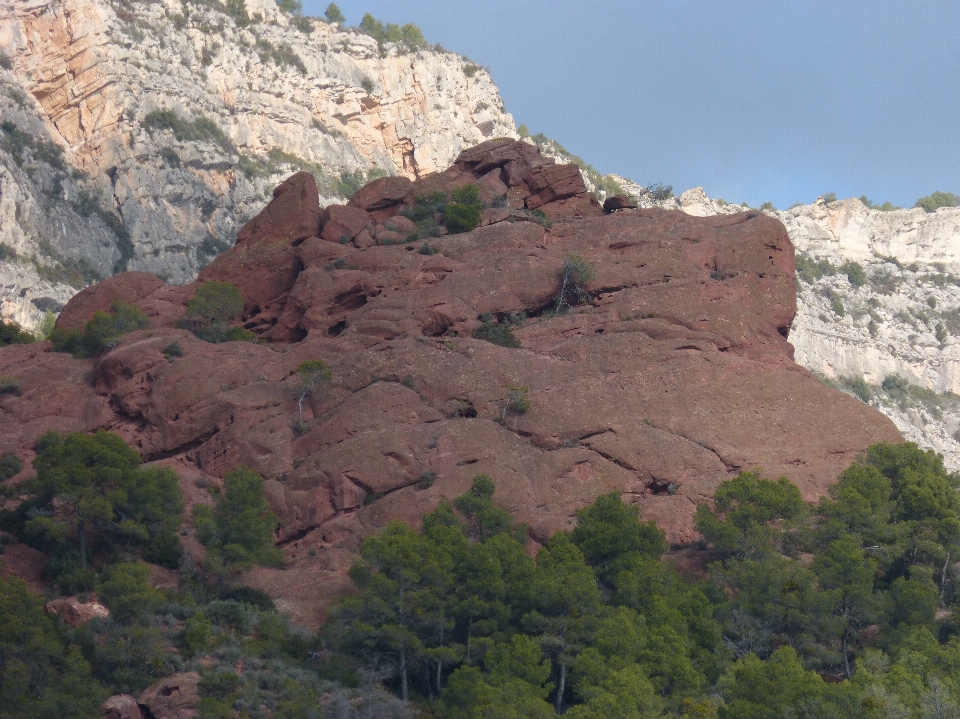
(672, 375)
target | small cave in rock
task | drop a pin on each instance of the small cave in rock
(337, 329)
(349, 301)
(662, 486)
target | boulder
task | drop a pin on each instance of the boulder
(175, 697)
(293, 214)
(74, 612)
(381, 194)
(130, 287)
(495, 153)
(553, 182)
(341, 223)
(262, 263)
(619, 202)
(121, 706)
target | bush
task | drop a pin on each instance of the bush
(410, 35)
(810, 270)
(102, 331)
(938, 199)
(575, 274)
(496, 333)
(463, 213)
(12, 334)
(211, 309)
(10, 385)
(199, 130)
(10, 466)
(173, 350)
(855, 273)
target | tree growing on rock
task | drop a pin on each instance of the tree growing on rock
(311, 374)
(575, 274)
(333, 13)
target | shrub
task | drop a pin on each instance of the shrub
(463, 213)
(410, 35)
(12, 334)
(496, 333)
(855, 273)
(173, 350)
(102, 331)
(198, 130)
(426, 480)
(10, 385)
(469, 69)
(517, 402)
(810, 270)
(10, 466)
(575, 274)
(367, 84)
(938, 199)
(211, 309)
(127, 592)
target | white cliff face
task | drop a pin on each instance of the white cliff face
(244, 107)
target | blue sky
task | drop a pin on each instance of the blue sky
(779, 100)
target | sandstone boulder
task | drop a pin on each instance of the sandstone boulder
(293, 214)
(175, 697)
(381, 194)
(74, 612)
(121, 706)
(619, 202)
(341, 223)
(130, 287)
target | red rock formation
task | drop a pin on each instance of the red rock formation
(671, 377)
(75, 612)
(175, 697)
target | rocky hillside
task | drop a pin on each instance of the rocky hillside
(563, 351)
(878, 306)
(142, 135)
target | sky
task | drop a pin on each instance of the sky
(755, 101)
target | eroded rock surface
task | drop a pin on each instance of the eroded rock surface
(673, 375)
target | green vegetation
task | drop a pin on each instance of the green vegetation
(43, 674)
(333, 14)
(350, 182)
(200, 129)
(575, 275)
(102, 331)
(311, 374)
(458, 212)
(92, 504)
(12, 334)
(462, 214)
(810, 270)
(938, 199)
(498, 333)
(239, 529)
(598, 625)
(886, 206)
(855, 273)
(10, 466)
(210, 311)
(409, 35)
(281, 55)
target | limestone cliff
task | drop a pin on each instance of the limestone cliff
(154, 130)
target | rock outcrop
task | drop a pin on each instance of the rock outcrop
(142, 135)
(75, 612)
(666, 373)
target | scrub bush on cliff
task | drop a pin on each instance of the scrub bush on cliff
(211, 311)
(102, 331)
